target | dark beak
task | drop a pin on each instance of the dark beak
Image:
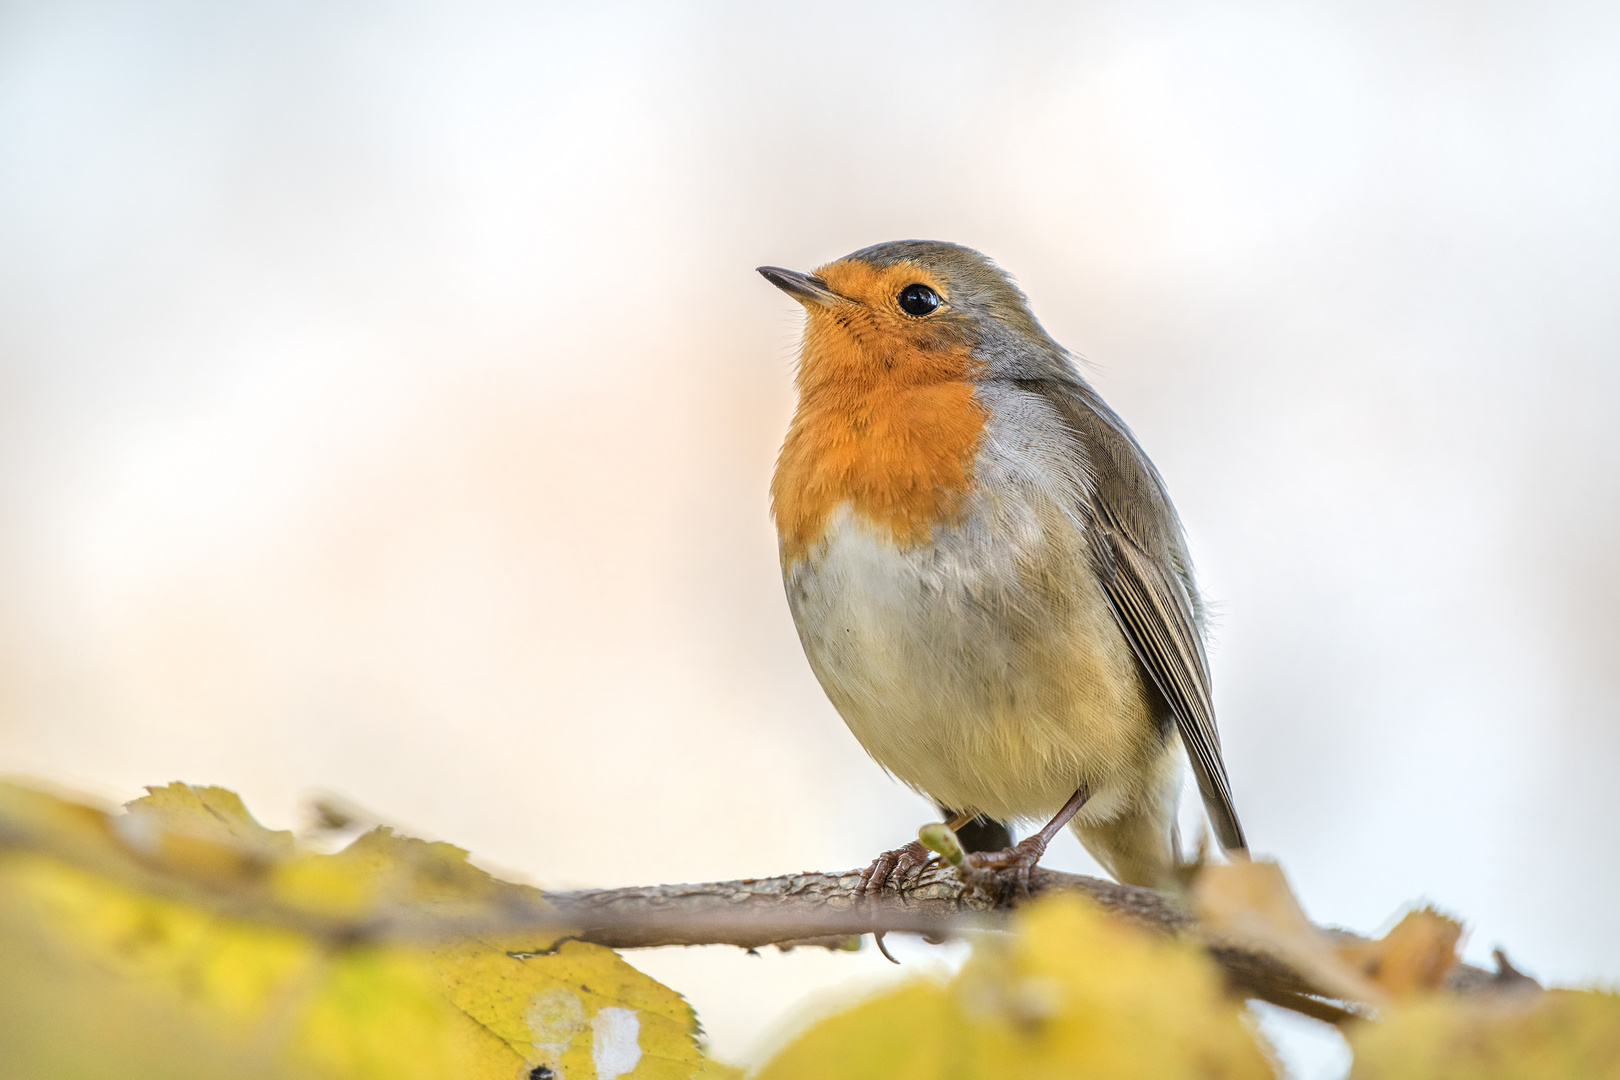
(802, 287)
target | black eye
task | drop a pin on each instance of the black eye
(918, 300)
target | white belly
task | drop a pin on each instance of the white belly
(984, 669)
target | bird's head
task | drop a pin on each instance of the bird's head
(914, 311)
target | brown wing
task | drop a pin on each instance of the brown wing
(1142, 564)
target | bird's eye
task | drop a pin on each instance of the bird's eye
(919, 300)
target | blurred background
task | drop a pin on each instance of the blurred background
(387, 404)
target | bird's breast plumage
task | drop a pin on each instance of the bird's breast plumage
(971, 651)
(894, 442)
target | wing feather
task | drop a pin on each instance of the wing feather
(1157, 619)
(1141, 562)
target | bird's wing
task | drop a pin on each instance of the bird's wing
(1142, 564)
(1153, 609)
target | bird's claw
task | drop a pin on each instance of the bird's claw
(993, 873)
(899, 866)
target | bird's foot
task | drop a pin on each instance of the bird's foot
(898, 866)
(996, 874)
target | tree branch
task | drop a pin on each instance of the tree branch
(821, 909)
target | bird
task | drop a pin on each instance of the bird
(986, 572)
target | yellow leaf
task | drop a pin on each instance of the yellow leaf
(372, 1012)
(208, 813)
(913, 1033)
(1538, 1035)
(580, 1010)
(381, 869)
(1070, 993)
(189, 914)
(65, 1013)
(201, 832)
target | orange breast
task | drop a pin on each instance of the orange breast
(887, 427)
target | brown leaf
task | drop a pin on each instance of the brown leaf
(1414, 956)
(1249, 903)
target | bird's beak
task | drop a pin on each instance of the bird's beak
(802, 287)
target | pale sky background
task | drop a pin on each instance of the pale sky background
(387, 404)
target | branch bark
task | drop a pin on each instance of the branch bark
(821, 909)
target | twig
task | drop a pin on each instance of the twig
(798, 908)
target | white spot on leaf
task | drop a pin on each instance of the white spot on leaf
(616, 1046)
(554, 1017)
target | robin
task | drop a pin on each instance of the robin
(985, 570)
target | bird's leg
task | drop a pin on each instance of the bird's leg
(980, 833)
(982, 869)
(902, 861)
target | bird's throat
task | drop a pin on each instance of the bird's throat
(890, 431)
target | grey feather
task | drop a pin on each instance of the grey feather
(1140, 558)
